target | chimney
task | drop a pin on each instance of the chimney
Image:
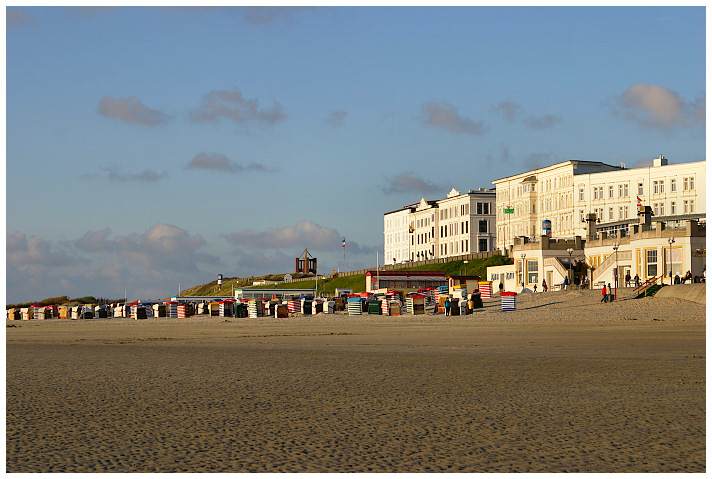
(591, 226)
(645, 213)
(662, 161)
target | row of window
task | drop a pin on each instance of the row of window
(688, 207)
(462, 247)
(688, 184)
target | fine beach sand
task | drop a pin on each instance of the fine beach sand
(564, 383)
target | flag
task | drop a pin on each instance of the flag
(343, 243)
(639, 200)
(410, 228)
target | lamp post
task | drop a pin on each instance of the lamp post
(524, 274)
(671, 240)
(570, 251)
(616, 245)
(465, 266)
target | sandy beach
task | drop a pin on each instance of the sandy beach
(563, 384)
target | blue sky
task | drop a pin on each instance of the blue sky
(151, 146)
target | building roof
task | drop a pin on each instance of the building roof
(574, 163)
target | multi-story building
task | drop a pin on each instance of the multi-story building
(526, 199)
(396, 238)
(456, 225)
(562, 195)
(466, 223)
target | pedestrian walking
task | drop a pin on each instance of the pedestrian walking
(610, 292)
(627, 278)
(543, 285)
(604, 299)
(447, 306)
(637, 280)
(566, 283)
(535, 288)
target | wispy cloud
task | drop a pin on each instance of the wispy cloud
(336, 118)
(304, 234)
(512, 112)
(509, 110)
(539, 160)
(146, 176)
(407, 182)
(655, 106)
(218, 162)
(542, 122)
(130, 111)
(15, 18)
(443, 115)
(501, 155)
(232, 105)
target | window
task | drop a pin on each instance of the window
(580, 194)
(620, 213)
(688, 183)
(610, 191)
(581, 216)
(479, 208)
(673, 186)
(674, 259)
(610, 213)
(640, 187)
(655, 187)
(651, 259)
(532, 271)
(672, 208)
(485, 208)
(483, 226)
(623, 190)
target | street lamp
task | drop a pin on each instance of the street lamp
(570, 251)
(523, 271)
(465, 266)
(616, 245)
(671, 240)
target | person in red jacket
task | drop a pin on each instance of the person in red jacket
(604, 299)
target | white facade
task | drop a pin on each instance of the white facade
(466, 223)
(396, 238)
(566, 192)
(456, 225)
(542, 194)
(423, 222)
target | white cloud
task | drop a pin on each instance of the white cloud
(542, 122)
(336, 118)
(130, 111)
(218, 162)
(444, 115)
(508, 109)
(655, 106)
(23, 252)
(15, 18)
(304, 234)
(147, 264)
(232, 105)
(407, 182)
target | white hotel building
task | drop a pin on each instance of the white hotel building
(565, 193)
(461, 223)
